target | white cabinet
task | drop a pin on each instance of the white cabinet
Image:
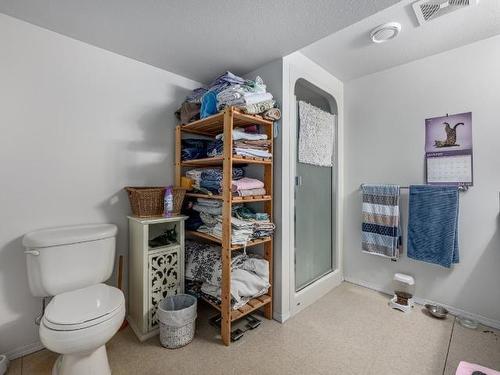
(154, 272)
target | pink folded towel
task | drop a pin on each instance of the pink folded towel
(246, 183)
(250, 192)
(466, 368)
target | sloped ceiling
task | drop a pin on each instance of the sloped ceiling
(349, 53)
(195, 38)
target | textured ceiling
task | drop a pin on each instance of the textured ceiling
(350, 53)
(195, 38)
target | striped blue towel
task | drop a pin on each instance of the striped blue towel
(381, 232)
(433, 224)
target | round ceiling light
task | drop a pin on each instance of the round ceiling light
(385, 32)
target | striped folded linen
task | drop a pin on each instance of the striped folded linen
(381, 223)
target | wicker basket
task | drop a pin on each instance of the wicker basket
(179, 193)
(148, 201)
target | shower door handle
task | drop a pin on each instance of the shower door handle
(32, 252)
(298, 181)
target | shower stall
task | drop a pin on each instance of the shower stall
(315, 198)
(307, 198)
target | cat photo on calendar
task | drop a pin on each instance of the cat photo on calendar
(449, 133)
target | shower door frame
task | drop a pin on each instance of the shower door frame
(319, 287)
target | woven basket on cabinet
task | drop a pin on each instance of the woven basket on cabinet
(148, 201)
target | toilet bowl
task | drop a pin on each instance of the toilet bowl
(71, 264)
(78, 324)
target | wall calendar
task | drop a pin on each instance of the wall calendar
(448, 150)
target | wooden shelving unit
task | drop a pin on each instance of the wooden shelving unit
(224, 122)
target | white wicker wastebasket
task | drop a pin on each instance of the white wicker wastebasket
(177, 316)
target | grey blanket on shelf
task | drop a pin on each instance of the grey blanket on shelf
(249, 274)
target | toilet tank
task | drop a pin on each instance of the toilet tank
(69, 258)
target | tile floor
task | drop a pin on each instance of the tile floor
(349, 331)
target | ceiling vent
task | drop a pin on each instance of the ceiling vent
(385, 32)
(427, 10)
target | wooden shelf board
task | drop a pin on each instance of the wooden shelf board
(202, 162)
(204, 236)
(253, 198)
(251, 160)
(253, 243)
(233, 247)
(206, 196)
(251, 306)
(218, 160)
(213, 125)
(236, 199)
(242, 119)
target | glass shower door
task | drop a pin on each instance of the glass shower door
(314, 226)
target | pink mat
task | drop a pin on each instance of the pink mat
(466, 368)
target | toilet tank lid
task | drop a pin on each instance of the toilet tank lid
(68, 235)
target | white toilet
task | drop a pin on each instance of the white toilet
(71, 263)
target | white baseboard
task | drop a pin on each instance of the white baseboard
(24, 350)
(422, 301)
(282, 318)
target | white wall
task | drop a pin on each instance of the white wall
(272, 74)
(384, 143)
(77, 124)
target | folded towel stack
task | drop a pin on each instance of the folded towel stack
(263, 228)
(227, 90)
(206, 216)
(195, 175)
(243, 133)
(194, 148)
(241, 230)
(381, 231)
(208, 206)
(433, 224)
(243, 212)
(250, 192)
(211, 178)
(259, 107)
(245, 143)
(260, 144)
(246, 94)
(246, 183)
(215, 148)
(261, 225)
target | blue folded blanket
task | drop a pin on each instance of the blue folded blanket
(194, 148)
(433, 224)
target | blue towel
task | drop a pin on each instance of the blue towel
(380, 229)
(208, 104)
(433, 224)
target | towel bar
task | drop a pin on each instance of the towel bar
(460, 187)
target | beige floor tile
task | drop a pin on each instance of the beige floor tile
(481, 346)
(39, 363)
(15, 367)
(349, 331)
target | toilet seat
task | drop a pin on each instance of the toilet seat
(83, 308)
